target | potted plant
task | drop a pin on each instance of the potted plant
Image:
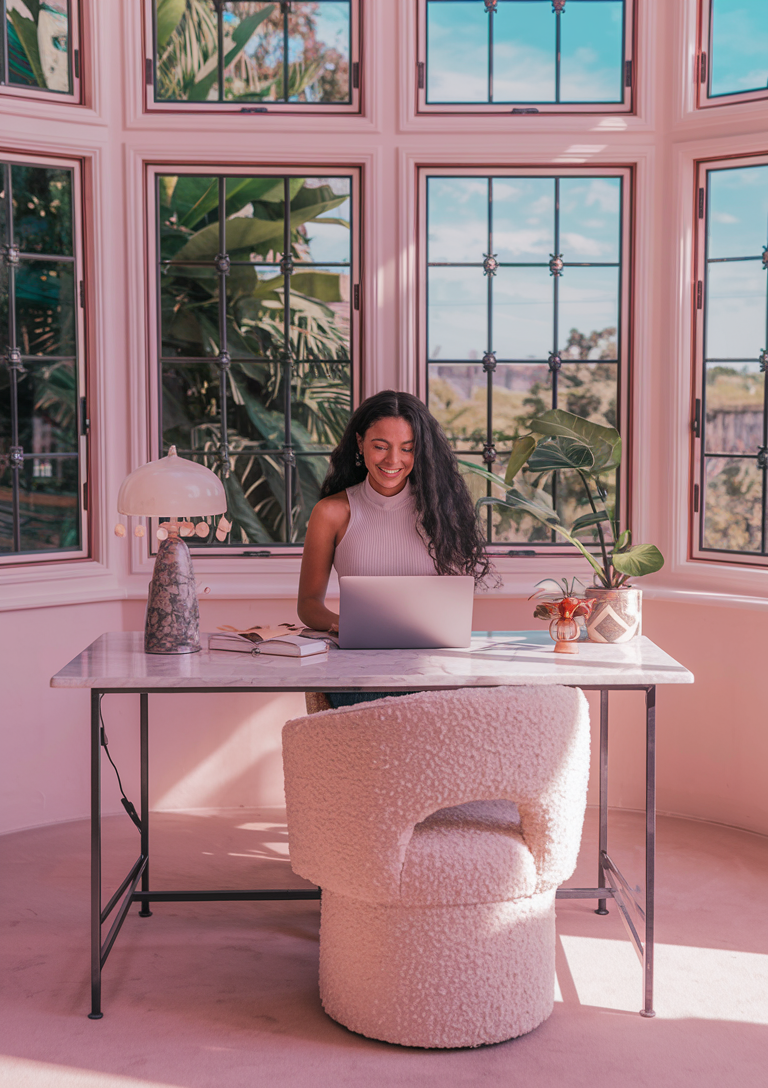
(560, 441)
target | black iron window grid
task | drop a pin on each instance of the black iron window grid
(557, 266)
(760, 456)
(705, 66)
(16, 361)
(73, 56)
(224, 360)
(558, 11)
(255, 106)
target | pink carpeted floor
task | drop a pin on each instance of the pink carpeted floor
(225, 995)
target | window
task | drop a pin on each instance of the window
(731, 418)
(733, 57)
(256, 338)
(525, 295)
(531, 55)
(254, 57)
(37, 47)
(42, 404)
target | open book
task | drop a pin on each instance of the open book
(285, 640)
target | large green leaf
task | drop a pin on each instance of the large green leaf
(241, 35)
(242, 513)
(522, 449)
(250, 234)
(169, 15)
(491, 477)
(561, 453)
(605, 442)
(589, 519)
(642, 559)
(26, 31)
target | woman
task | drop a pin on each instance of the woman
(393, 502)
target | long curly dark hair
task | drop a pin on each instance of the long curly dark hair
(446, 515)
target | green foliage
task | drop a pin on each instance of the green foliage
(187, 68)
(250, 460)
(569, 443)
(25, 31)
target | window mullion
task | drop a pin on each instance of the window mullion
(224, 361)
(286, 267)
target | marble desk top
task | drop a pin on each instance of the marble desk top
(117, 661)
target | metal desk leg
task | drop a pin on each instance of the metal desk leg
(145, 912)
(602, 848)
(95, 1013)
(650, 848)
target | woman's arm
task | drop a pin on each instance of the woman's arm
(327, 525)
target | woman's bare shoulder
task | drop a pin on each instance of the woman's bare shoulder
(333, 510)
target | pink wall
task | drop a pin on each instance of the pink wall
(224, 751)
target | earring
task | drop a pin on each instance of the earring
(358, 459)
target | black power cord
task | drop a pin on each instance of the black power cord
(129, 806)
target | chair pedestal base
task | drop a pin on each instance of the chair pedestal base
(456, 976)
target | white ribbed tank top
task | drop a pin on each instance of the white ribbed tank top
(382, 537)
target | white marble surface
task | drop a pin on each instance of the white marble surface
(117, 660)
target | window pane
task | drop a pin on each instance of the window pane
(523, 219)
(458, 219)
(253, 52)
(458, 400)
(590, 390)
(48, 506)
(589, 309)
(457, 313)
(253, 63)
(45, 308)
(735, 402)
(38, 44)
(732, 504)
(592, 51)
(187, 52)
(523, 312)
(318, 52)
(739, 46)
(738, 212)
(590, 210)
(42, 210)
(47, 408)
(189, 310)
(457, 51)
(246, 326)
(524, 52)
(736, 312)
(321, 212)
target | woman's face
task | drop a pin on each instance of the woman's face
(387, 449)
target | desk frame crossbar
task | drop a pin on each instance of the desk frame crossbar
(636, 908)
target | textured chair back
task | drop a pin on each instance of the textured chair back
(359, 779)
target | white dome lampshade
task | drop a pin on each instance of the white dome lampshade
(172, 486)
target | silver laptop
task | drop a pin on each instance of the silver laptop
(400, 613)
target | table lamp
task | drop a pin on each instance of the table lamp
(171, 487)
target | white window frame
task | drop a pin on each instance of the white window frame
(40, 94)
(231, 556)
(697, 485)
(629, 81)
(353, 107)
(624, 362)
(26, 559)
(703, 70)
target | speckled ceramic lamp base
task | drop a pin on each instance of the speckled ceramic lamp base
(173, 617)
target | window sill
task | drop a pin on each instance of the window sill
(57, 584)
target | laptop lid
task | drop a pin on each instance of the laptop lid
(405, 612)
